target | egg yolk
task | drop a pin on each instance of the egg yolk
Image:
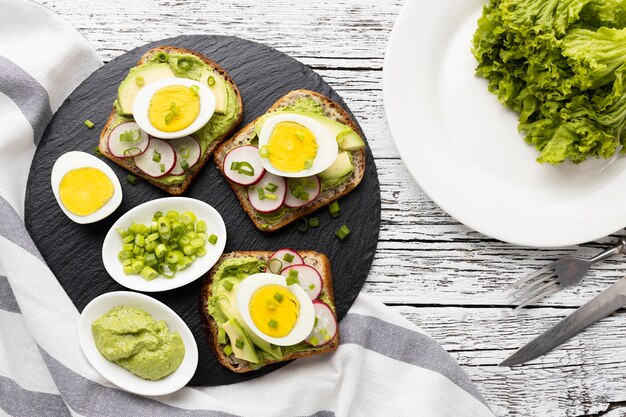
(84, 191)
(173, 108)
(274, 310)
(292, 147)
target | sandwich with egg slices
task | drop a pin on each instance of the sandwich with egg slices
(261, 308)
(302, 154)
(173, 110)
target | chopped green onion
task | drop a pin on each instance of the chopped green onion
(315, 322)
(89, 124)
(288, 257)
(303, 225)
(187, 217)
(308, 164)
(271, 187)
(312, 287)
(131, 135)
(156, 157)
(275, 265)
(162, 57)
(221, 336)
(245, 168)
(134, 151)
(97, 151)
(239, 343)
(292, 278)
(261, 193)
(279, 297)
(139, 80)
(314, 341)
(343, 232)
(213, 239)
(210, 81)
(160, 251)
(162, 167)
(234, 166)
(272, 323)
(228, 285)
(173, 257)
(184, 64)
(201, 226)
(128, 238)
(194, 89)
(271, 196)
(228, 350)
(303, 196)
(297, 191)
(197, 243)
(151, 259)
(174, 111)
(184, 151)
(172, 216)
(157, 215)
(131, 179)
(334, 209)
(148, 273)
(166, 270)
(264, 151)
(313, 222)
(140, 241)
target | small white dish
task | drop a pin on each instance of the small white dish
(75, 160)
(120, 376)
(327, 145)
(142, 103)
(143, 213)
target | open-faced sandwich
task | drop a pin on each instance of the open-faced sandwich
(304, 153)
(263, 307)
(172, 111)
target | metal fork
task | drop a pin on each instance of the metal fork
(557, 275)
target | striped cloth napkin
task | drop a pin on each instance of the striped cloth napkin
(384, 366)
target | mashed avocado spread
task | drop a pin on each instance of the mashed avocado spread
(216, 127)
(131, 338)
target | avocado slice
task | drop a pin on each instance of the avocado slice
(129, 88)
(218, 89)
(349, 139)
(342, 166)
(227, 303)
(237, 336)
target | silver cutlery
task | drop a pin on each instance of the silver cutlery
(557, 275)
(601, 306)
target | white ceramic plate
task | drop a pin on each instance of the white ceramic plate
(143, 214)
(120, 376)
(74, 160)
(462, 146)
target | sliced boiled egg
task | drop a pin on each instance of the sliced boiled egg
(296, 146)
(86, 188)
(278, 313)
(173, 107)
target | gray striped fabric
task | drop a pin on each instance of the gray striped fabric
(377, 337)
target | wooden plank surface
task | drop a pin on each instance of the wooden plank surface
(439, 274)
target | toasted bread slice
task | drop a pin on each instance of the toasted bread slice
(333, 111)
(128, 163)
(317, 260)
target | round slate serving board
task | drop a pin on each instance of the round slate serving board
(262, 75)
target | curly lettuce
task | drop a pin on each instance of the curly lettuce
(561, 65)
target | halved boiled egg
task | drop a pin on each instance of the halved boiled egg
(278, 313)
(86, 188)
(173, 107)
(296, 146)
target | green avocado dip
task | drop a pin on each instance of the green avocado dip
(222, 306)
(131, 338)
(196, 69)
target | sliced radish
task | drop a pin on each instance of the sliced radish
(272, 200)
(163, 164)
(325, 327)
(309, 185)
(135, 141)
(275, 267)
(188, 152)
(249, 154)
(308, 278)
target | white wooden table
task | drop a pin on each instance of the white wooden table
(441, 275)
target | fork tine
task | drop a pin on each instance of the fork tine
(536, 290)
(536, 274)
(542, 295)
(530, 288)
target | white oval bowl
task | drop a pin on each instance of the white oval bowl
(142, 103)
(143, 214)
(327, 145)
(74, 160)
(120, 376)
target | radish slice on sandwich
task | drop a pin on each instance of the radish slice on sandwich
(301, 191)
(128, 140)
(268, 194)
(243, 165)
(281, 259)
(308, 278)
(325, 327)
(188, 152)
(158, 160)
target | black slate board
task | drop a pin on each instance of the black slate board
(263, 75)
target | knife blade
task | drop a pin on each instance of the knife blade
(607, 302)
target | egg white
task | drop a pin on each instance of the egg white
(74, 160)
(142, 104)
(306, 317)
(327, 144)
